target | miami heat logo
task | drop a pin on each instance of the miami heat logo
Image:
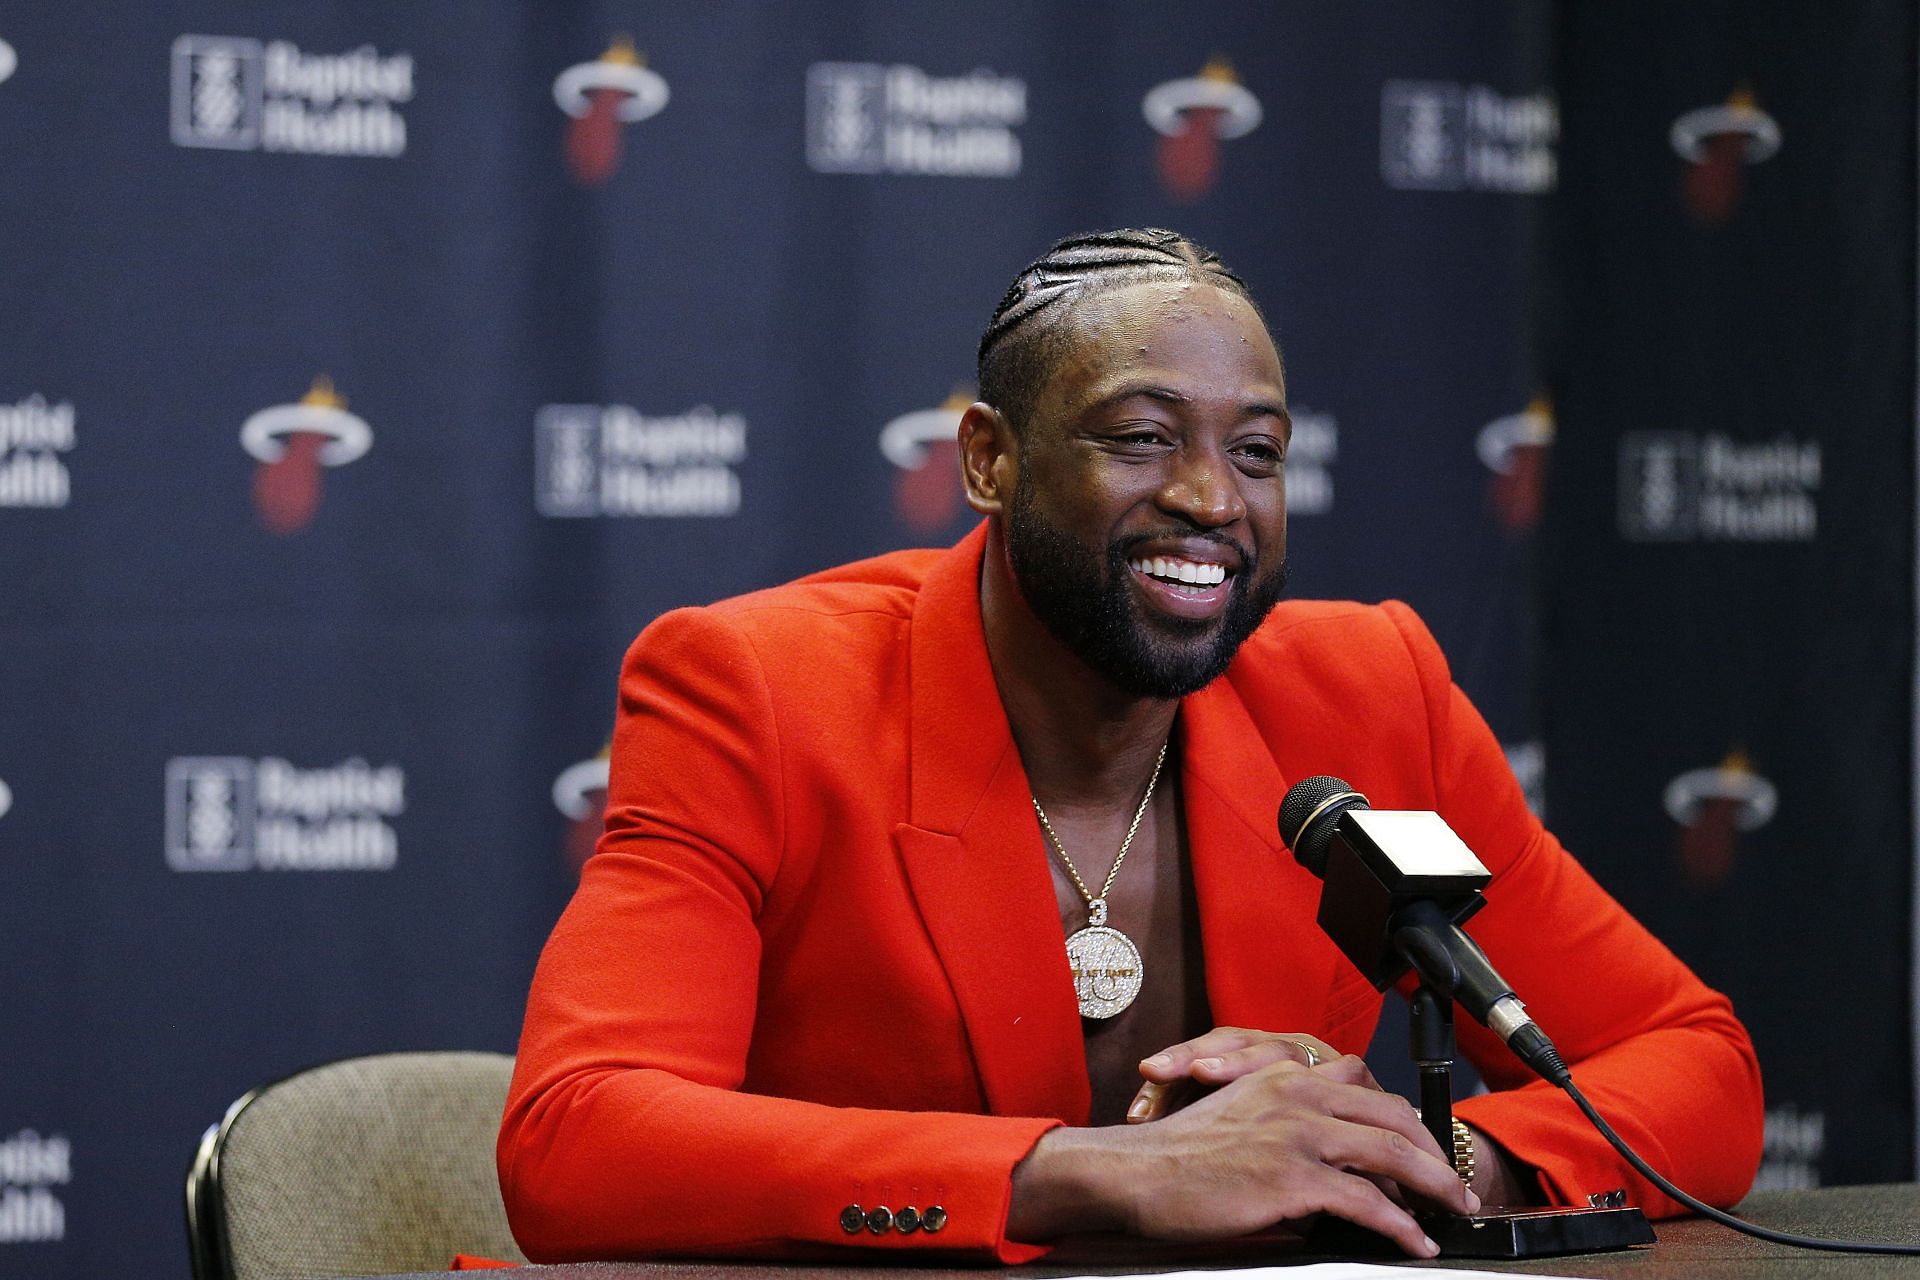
(615, 89)
(580, 794)
(1713, 806)
(925, 445)
(295, 443)
(1193, 116)
(1515, 450)
(1718, 143)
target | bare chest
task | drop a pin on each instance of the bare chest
(1152, 903)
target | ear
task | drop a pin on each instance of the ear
(989, 458)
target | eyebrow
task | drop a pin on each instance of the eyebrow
(1168, 395)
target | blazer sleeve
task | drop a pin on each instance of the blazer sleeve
(1657, 1052)
(626, 1133)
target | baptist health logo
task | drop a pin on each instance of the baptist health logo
(1677, 486)
(34, 434)
(613, 460)
(1441, 136)
(863, 117)
(1310, 457)
(1794, 1147)
(236, 94)
(226, 813)
(31, 1167)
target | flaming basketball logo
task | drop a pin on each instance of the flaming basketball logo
(294, 442)
(580, 793)
(925, 446)
(1515, 450)
(1717, 143)
(1193, 116)
(615, 89)
(1713, 806)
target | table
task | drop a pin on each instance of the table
(1688, 1249)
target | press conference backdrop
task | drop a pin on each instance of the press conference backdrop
(370, 374)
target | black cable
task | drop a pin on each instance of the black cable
(1565, 1081)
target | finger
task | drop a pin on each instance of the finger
(1348, 1068)
(1362, 1148)
(1381, 1110)
(1359, 1201)
(1154, 1100)
(1231, 1065)
(1176, 1061)
(1388, 1188)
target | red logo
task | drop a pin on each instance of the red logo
(580, 794)
(295, 443)
(1713, 806)
(1718, 143)
(925, 445)
(1193, 116)
(614, 89)
(1515, 450)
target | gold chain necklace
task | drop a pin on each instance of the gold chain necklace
(1107, 971)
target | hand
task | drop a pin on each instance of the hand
(1275, 1146)
(1219, 1057)
(1501, 1180)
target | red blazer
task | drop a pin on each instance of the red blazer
(817, 960)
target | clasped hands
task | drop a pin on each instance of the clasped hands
(1291, 1129)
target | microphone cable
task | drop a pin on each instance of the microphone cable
(1564, 1078)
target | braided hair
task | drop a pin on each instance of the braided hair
(1022, 342)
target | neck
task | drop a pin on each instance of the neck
(1084, 742)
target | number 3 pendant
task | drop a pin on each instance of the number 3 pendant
(1106, 966)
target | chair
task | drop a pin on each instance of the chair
(359, 1167)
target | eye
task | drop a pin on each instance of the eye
(1260, 455)
(1138, 437)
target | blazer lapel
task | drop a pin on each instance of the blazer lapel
(973, 855)
(1259, 974)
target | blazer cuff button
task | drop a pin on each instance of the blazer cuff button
(907, 1221)
(933, 1219)
(879, 1218)
(852, 1218)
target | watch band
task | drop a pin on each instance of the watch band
(1463, 1158)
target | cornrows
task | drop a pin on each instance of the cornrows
(1012, 355)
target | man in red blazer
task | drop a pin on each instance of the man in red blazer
(941, 905)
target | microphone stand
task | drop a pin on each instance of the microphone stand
(1501, 1233)
(1430, 1018)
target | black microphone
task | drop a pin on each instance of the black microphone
(1398, 885)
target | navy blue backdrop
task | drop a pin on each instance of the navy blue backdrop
(370, 374)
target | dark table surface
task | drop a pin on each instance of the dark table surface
(1692, 1248)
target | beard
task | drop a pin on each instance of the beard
(1086, 601)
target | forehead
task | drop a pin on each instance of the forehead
(1188, 335)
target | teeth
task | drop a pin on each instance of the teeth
(1190, 572)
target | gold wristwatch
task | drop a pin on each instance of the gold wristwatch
(1463, 1151)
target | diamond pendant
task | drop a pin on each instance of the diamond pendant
(1106, 966)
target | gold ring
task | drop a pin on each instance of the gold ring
(1313, 1059)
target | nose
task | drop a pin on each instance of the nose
(1203, 487)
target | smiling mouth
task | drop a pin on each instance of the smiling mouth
(1186, 577)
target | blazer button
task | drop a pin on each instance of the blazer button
(879, 1218)
(933, 1218)
(852, 1218)
(907, 1221)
